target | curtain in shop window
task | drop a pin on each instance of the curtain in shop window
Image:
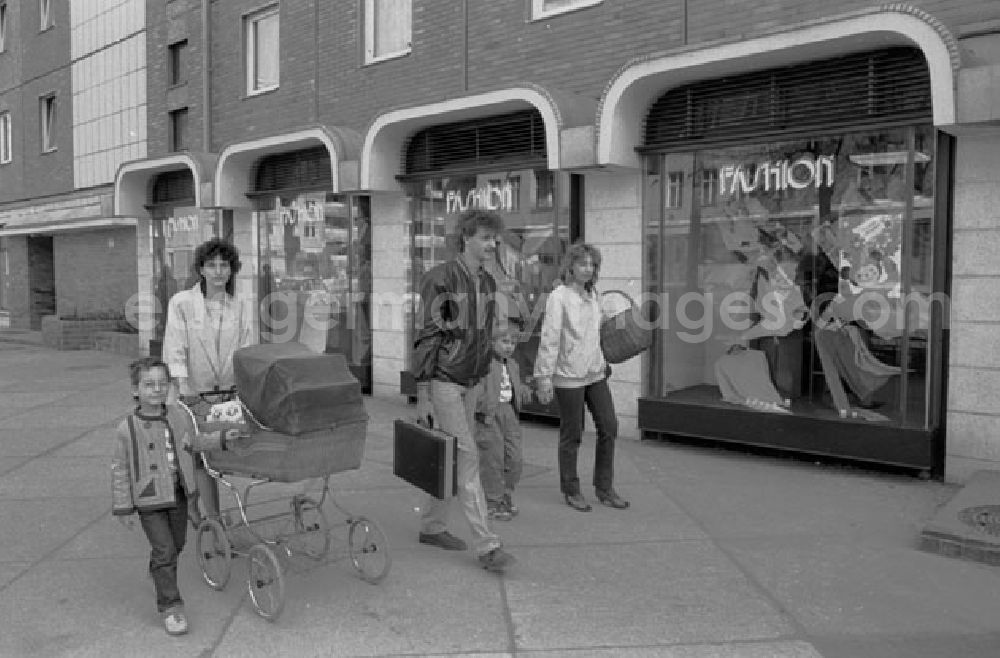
(392, 26)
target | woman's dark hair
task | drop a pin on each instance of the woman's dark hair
(577, 252)
(472, 220)
(206, 251)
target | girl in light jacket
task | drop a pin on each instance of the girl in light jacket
(571, 365)
(206, 324)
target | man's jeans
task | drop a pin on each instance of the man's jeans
(597, 397)
(454, 412)
(166, 530)
(500, 459)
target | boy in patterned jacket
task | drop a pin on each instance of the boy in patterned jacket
(152, 474)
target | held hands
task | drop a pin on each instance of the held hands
(126, 521)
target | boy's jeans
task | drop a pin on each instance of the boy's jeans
(500, 460)
(166, 530)
(597, 398)
(454, 410)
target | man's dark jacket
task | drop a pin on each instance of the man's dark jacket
(453, 342)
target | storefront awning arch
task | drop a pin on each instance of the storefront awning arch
(642, 80)
(568, 120)
(237, 160)
(134, 180)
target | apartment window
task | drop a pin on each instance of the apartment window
(262, 50)
(387, 29)
(179, 130)
(546, 8)
(47, 111)
(177, 54)
(6, 148)
(45, 14)
(3, 26)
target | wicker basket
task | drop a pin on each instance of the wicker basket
(626, 333)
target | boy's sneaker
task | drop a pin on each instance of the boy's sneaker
(497, 560)
(509, 505)
(175, 622)
(498, 511)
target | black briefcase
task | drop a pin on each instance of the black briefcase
(425, 458)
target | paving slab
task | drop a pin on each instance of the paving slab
(331, 612)
(849, 588)
(11, 570)
(59, 478)
(34, 528)
(68, 419)
(636, 594)
(33, 441)
(107, 608)
(97, 442)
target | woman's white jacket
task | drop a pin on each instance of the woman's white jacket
(199, 346)
(569, 351)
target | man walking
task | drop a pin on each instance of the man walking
(451, 358)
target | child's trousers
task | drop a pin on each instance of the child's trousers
(500, 458)
(166, 530)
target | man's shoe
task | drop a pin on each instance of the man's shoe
(509, 505)
(612, 499)
(577, 502)
(497, 560)
(175, 623)
(498, 511)
(445, 540)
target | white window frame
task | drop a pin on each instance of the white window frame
(48, 116)
(371, 54)
(6, 138)
(44, 15)
(538, 10)
(250, 22)
(3, 26)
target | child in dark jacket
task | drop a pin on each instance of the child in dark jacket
(152, 474)
(498, 430)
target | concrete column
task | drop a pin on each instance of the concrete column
(389, 305)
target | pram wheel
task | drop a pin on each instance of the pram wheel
(214, 554)
(312, 532)
(369, 549)
(265, 582)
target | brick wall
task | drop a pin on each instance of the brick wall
(95, 270)
(324, 79)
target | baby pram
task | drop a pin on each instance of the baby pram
(316, 397)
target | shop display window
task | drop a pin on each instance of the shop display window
(534, 205)
(176, 232)
(795, 277)
(315, 274)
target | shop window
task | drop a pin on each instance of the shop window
(3, 27)
(262, 50)
(528, 256)
(47, 112)
(805, 286)
(315, 275)
(179, 130)
(6, 144)
(46, 19)
(177, 56)
(546, 8)
(388, 29)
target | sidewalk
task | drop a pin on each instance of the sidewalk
(721, 554)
